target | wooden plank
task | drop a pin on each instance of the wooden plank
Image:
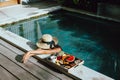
(15, 69)
(33, 60)
(29, 66)
(5, 75)
(8, 3)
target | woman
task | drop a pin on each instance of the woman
(46, 45)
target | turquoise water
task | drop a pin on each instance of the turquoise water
(93, 40)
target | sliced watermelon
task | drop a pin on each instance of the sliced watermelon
(70, 58)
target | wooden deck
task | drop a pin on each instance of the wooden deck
(9, 3)
(12, 69)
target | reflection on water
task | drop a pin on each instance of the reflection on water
(29, 30)
(95, 41)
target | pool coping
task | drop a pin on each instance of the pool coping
(31, 14)
(81, 72)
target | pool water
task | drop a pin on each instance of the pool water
(94, 40)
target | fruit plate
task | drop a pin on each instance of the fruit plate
(64, 61)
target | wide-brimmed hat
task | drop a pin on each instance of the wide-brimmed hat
(47, 41)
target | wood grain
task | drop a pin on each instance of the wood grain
(5, 75)
(8, 3)
(15, 69)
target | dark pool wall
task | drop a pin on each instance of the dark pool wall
(82, 4)
(109, 10)
(30, 1)
(106, 8)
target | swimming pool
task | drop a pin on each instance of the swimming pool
(94, 40)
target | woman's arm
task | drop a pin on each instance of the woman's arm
(39, 51)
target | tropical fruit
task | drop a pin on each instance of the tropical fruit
(70, 58)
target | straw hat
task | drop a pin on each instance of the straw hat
(47, 41)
